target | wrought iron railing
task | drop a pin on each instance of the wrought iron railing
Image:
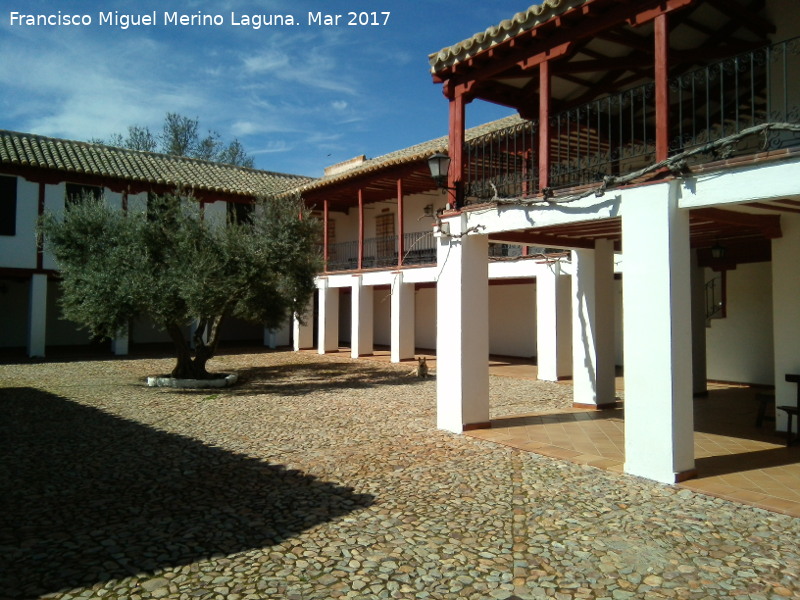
(342, 256)
(608, 136)
(500, 164)
(419, 248)
(723, 99)
(616, 134)
(381, 252)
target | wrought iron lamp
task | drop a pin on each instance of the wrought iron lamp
(439, 165)
(718, 251)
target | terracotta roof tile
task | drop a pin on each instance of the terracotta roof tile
(26, 149)
(411, 154)
(520, 22)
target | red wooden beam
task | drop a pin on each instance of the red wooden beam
(456, 149)
(662, 86)
(544, 125)
(400, 228)
(39, 240)
(325, 241)
(360, 229)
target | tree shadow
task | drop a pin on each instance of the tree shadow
(87, 497)
(296, 379)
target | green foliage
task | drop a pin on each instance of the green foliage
(180, 136)
(177, 267)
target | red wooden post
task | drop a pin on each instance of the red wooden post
(360, 229)
(662, 86)
(400, 230)
(325, 241)
(456, 147)
(544, 125)
(39, 238)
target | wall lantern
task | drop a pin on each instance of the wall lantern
(439, 164)
(717, 251)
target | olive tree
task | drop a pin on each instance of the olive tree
(178, 268)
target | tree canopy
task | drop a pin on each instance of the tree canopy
(176, 267)
(180, 136)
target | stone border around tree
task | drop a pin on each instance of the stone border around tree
(218, 382)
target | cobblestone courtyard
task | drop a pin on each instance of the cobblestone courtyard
(322, 477)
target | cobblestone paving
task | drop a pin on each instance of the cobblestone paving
(322, 477)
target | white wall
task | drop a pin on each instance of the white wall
(345, 315)
(61, 332)
(13, 313)
(740, 347)
(425, 311)
(382, 317)
(512, 320)
(19, 251)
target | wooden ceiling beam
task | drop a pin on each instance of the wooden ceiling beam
(768, 225)
(745, 17)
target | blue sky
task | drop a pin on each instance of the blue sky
(299, 98)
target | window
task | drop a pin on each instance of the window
(239, 212)
(384, 231)
(77, 192)
(8, 205)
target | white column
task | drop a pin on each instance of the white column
(659, 436)
(553, 324)
(786, 313)
(37, 315)
(402, 319)
(362, 321)
(303, 333)
(120, 344)
(328, 334)
(270, 338)
(699, 377)
(593, 355)
(462, 331)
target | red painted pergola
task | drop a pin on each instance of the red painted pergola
(548, 62)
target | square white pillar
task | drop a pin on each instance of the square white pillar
(37, 315)
(120, 344)
(328, 333)
(593, 353)
(462, 331)
(553, 324)
(303, 330)
(402, 319)
(362, 321)
(699, 376)
(270, 338)
(659, 420)
(786, 314)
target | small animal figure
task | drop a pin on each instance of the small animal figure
(421, 369)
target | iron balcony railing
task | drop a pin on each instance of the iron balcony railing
(419, 248)
(616, 134)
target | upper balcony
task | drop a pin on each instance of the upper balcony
(711, 111)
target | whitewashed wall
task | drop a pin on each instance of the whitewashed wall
(740, 347)
(19, 251)
(382, 315)
(512, 320)
(13, 313)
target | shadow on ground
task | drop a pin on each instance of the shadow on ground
(304, 378)
(86, 497)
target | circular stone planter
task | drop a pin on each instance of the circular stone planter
(219, 382)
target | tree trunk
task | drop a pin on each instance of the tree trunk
(188, 367)
(185, 367)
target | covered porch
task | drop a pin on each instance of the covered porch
(735, 459)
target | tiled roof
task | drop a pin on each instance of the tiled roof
(520, 22)
(25, 149)
(411, 154)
